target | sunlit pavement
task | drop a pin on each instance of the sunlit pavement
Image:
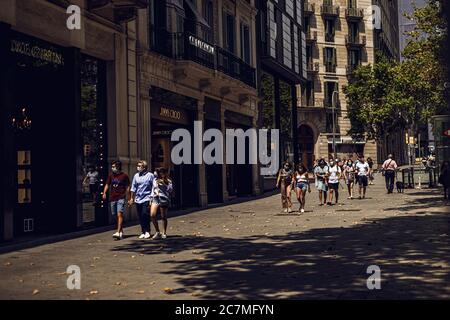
(252, 250)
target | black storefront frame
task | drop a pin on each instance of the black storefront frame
(55, 221)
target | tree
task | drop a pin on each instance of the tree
(391, 95)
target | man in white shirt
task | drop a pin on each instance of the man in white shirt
(362, 169)
(389, 167)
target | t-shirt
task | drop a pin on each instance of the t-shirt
(334, 174)
(390, 164)
(350, 171)
(321, 172)
(93, 177)
(362, 168)
(161, 189)
(118, 184)
(142, 186)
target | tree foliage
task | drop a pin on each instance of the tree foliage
(390, 95)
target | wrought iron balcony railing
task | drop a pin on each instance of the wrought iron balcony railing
(186, 46)
(312, 67)
(311, 36)
(359, 41)
(329, 10)
(354, 13)
(309, 8)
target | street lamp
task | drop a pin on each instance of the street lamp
(333, 106)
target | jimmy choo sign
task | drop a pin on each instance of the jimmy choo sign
(170, 113)
(201, 44)
(36, 52)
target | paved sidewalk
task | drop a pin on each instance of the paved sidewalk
(252, 251)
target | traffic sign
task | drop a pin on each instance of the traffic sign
(447, 133)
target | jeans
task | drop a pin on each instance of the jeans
(144, 216)
(389, 176)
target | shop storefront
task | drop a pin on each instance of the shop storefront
(52, 115)
(170, 111)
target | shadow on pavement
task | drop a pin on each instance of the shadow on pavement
(412, 251)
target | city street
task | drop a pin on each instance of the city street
(253, 251)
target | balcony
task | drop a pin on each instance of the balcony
(354, 13)
(119, 11)
(330, 68)
(186, 46)
(312, 67)
(351, 68)
(355, 41)
(233, 66)
(311, 36)
(329, 37)
(329, 10)
(308, 8)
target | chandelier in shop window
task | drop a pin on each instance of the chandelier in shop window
(21, 122)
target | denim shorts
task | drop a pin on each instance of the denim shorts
(302, 185)
(117, 206)
(161, 201)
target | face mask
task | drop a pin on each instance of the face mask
(332, 164)
(140, 169)
(115, 170)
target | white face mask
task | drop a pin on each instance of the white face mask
(115, 170)
(140, 169)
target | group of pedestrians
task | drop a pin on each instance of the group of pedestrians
(148, 191)
(327, 176)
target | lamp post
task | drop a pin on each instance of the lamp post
(333, 107)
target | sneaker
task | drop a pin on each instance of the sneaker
(164, 236)
(120, 235)
(289, 210)
(116, 235)
(147, 235)
(285, 210)
(302, 211)
(156, 236)
(142, 236)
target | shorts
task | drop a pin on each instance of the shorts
(362, 180)
(334, 185)
(350, 181)
(302, 185)
(117, 206)
(161, 202)
(93, 188)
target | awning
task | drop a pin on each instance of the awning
(197, 15)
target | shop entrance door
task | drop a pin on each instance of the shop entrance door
(306, 145)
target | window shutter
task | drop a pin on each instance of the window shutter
(325, 56)
(334, 57)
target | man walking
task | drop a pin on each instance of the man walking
(118, 183)
(389, 167)
(362, 168)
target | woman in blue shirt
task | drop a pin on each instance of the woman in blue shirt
(141, 189)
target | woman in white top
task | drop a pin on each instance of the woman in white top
(160, 198)
(333, 181)
(301, 185)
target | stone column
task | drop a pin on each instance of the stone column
(203, 195)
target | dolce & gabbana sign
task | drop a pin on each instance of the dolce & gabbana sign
(37, 52)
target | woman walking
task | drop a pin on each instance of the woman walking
(321, 173)
(349, 176)
(333, 181)
(141, 189)
(284, 182)
(370, 163)
(161, 191)
(301, 185)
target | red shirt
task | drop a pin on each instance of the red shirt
(118, 184)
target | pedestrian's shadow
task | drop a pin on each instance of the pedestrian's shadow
(318, 263)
